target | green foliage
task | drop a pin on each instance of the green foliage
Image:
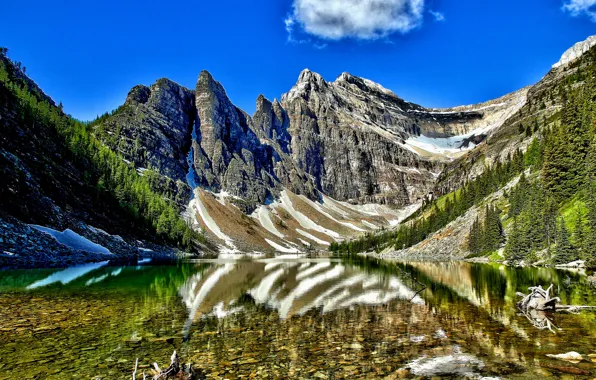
(534, 154)
(105, 172)
(565, 252)
(440, 212)
(565, 157)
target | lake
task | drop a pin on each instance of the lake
(291, 318)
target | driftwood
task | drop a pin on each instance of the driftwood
(540, 299)
(174, 371)
(539, 304)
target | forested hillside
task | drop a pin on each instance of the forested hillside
(55, 172)
(550, 215)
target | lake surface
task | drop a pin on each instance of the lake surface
(291, 318)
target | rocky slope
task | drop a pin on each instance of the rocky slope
(48, 183)
(329, 161)
(542, 101)
(540, 113)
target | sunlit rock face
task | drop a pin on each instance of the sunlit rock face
(576, 51)
(349, 140)
(153, 127)
(362, 142)
(290, 288)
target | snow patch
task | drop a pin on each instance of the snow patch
(304, 221)
(73, 240)
(350, 225)
(198, 205)
(369, 224)
(263, 216)
(222, 196)
(444, 145)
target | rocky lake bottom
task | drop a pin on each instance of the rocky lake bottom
(292, 318)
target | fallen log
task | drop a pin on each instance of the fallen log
(541, 299)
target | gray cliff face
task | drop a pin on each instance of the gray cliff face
(153, 127)
(228, 155)
(350, 135)
(348, 139)
(244, 156)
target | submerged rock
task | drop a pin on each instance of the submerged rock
(450, 365)
(571, 356)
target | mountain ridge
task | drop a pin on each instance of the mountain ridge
(328, 161)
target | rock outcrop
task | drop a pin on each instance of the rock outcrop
(153, 127)
(350, 139)
(576, 51)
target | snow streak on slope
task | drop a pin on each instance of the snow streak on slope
(264, 217)
(281, 248)
(197, 204)
(312, 237)
(304, 221)
(286, 225)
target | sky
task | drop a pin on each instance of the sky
(437, 53)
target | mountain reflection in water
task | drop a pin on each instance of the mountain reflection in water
(289, 287)
(293, 318)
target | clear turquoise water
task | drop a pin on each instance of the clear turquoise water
(298, 318)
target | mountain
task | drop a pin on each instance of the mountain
(329, 162)
(526, 194)
(64, 197)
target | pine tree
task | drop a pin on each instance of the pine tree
(474, 237)
(564, 251)
(493, 229)
(579, 239)
(516, 248)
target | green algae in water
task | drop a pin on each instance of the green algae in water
(290, 319)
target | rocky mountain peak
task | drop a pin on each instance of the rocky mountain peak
(576, 51)
(207, 84)
(262, 102)
(363, 84)
(307, 81)
(138, 94)
(311, 77)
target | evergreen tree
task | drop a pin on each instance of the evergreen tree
(579, 234)
(516, 248)
(493, 229)
(564, 251)
(474, 237)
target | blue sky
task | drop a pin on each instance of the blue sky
(89, 54)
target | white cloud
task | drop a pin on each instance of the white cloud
(361, 19)
(580, 7)
(437, 15)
